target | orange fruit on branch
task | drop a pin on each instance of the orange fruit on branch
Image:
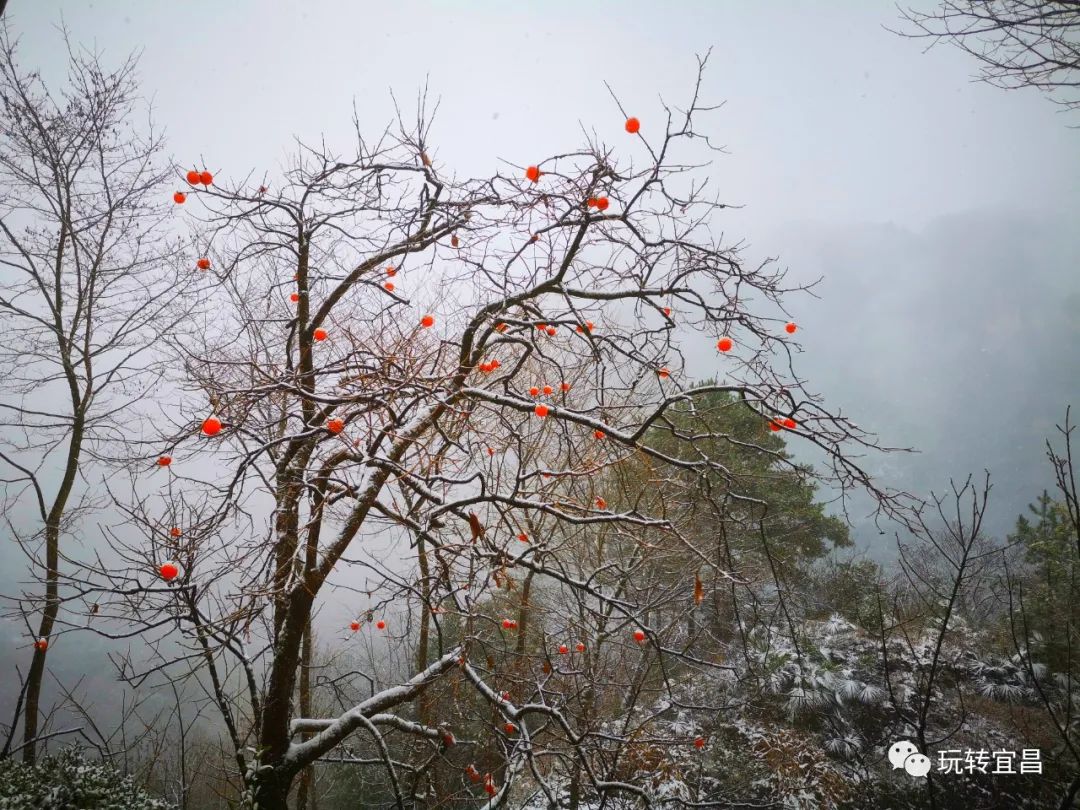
(193, 177)
(320, 334)
(724, 344)
(203, 263)
(169, 571)
(164, 461)
(335, 426)
(427, 321)
(211, 426)
(206, 178)
(179, 197)
(533, 173)
(541, 410)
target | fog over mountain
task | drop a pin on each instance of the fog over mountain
(957, 339)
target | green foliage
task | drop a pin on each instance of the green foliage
(723, 429)
(1051, 592)
(849, 588)
(68, 782)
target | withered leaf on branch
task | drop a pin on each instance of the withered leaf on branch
(476, 526)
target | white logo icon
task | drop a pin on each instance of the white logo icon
(904, 754)
(917, 765)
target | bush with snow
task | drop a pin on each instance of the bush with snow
(68, 782)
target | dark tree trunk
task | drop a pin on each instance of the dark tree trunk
(305, 797)
(52, 575)
(272, 792)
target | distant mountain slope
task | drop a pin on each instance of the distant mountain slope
(961, 341)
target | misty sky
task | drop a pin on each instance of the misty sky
(937, 209)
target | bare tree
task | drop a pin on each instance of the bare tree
(82, 299)
(1019, 43)
(942, 568)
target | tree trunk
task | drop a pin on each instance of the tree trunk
(575, 789)
(37, 666)
(425, 707)
(52, 575)
(305, 796)
(523, 613)
(272, 792)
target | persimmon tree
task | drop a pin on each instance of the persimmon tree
(411, 397)
(83, 295)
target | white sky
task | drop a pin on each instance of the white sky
(828, 116)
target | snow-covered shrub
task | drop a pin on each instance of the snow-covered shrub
(68, 782)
